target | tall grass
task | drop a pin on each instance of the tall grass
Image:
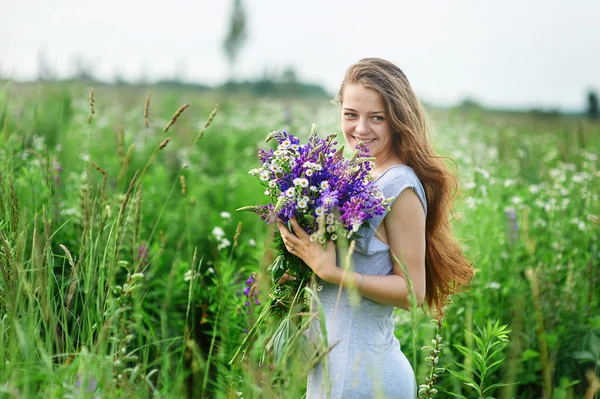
(122, 262)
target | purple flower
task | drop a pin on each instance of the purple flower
(57, 169)
(512, 226)
(142, 256)
(313, 180)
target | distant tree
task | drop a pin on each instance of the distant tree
(236, 36)
(593, 110)
(118, 78)
(83, 69)
(45, 71)
(180, 71)
(289, 76)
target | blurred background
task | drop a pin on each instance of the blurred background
(510, 55)
(127, 130)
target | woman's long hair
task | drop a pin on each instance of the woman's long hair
(447, 270)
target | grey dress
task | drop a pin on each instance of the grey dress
(367, 361)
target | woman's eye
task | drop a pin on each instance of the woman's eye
(378, 118)
(349, 115)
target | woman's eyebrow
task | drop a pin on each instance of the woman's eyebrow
(353, 110)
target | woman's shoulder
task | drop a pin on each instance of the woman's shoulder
(397, 178)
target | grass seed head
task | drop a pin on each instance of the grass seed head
(175, 116)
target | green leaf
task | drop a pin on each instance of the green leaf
(498, 385)
(456, 395)
(465, 379)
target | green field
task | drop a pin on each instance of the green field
(122, 264)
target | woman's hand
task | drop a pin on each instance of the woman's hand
(297, 242)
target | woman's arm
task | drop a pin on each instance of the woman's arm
(405, 228)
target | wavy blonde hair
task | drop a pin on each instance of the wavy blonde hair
(447, 270)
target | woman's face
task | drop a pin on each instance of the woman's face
(364, 118)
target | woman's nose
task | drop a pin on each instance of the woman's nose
(362, 126)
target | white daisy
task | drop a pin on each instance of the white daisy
(290, 192)
(302, 203)
(264, 175)
(303, 183)
(325, 185)
(309, 172)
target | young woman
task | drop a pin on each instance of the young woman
(379, 108)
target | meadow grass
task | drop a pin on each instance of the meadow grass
(122, 261)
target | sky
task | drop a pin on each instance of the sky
(511, 53)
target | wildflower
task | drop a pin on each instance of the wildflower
(493, 285)
(293, 163)
(303, 183)
(272, 184)
(309, 172)
(267, 192)
(302, 202)
(330, 219)
(325, 185)
(319, 211)
(218, 233)
(512, 225)
(190, 275)
(142, 256)
(313, 237)
(224, 243)
(264, 175)
(330, 228)
(57, 167)
(334, 237)
(226, 215)
(290, 192)
(297, 181)
(312, 188)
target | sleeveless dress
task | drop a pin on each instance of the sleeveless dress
(367, 361)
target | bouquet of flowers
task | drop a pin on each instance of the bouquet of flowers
(331, 196)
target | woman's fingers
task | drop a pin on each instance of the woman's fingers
(297, 229)
(290, 240)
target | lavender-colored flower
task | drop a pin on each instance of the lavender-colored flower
(92, 384)
(512, 226)
(143, 254)
(57, 170)
(318, 181)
